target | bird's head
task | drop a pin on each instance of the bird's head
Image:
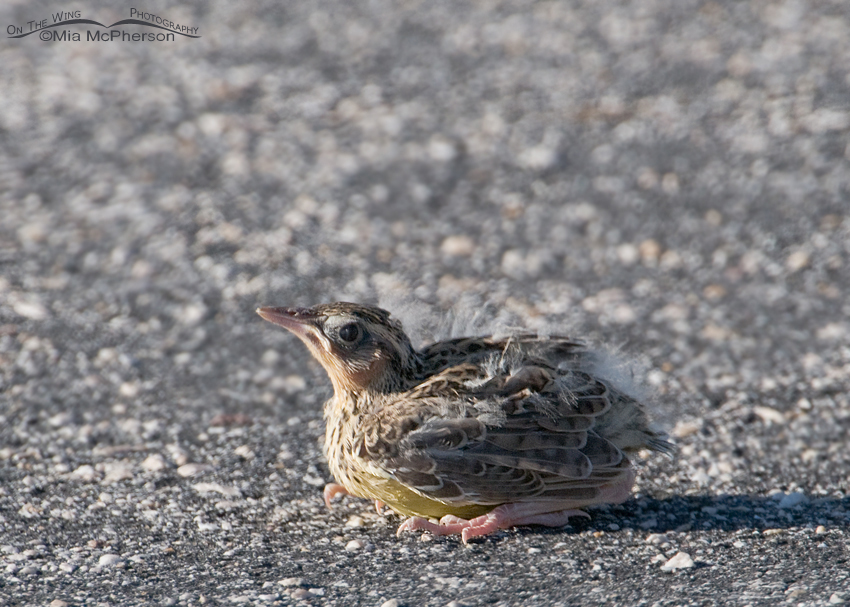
(360, 346)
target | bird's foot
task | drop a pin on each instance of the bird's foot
(331, 491)
(502, 517)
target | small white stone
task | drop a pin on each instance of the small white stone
(32, 309)
(628, 254)
(128, 389)
(154, 463)
(108, 560)
(459, 245)
(837, 599)
(793, 499)
(657, 538)
(681, 560)
(700, 477)
(29, 511)
(60, 419)
(291, 581)
(245, 452)
(391, 603)
(354, 545)
(314, 480)
(85, 473)
(217, 488)
(797, 260)
(769, 414)
(187, 470)
(116, 473)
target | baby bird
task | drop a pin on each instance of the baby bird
(476, 433)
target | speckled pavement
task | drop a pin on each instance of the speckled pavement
(670, 178)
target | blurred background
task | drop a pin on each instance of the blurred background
(668, 177)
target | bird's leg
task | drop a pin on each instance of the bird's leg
(502, 517)
(332, 490)
(512, 515)
(448, 525)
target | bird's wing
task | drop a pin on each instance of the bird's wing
(464, 350)
(467, 437)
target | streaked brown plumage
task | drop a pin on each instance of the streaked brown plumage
(481, 433)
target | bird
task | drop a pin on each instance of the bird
(469, 435)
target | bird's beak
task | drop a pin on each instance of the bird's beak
(301, 321)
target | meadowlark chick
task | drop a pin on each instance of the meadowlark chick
(468, 435)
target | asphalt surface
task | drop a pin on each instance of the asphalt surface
(666, 177)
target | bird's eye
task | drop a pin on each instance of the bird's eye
(349, 333)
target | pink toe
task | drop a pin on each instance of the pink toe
(331, 491)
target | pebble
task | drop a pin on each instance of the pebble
(60, 419)
(391, 603)
(354, 521)
(57, 603)
(681, 560)
(458, 246)
(244, 451)
(657, 538)
(187, 470)
(837, 599)
(109, 560)
(154, 463)
(85, 473)
(769, 414)
(116, 473)
(793, 499)
(291, 581)
(267, 598)
(354, 545)
(217, 488)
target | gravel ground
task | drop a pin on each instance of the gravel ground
(669, 177)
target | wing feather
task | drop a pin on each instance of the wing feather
(499, 421)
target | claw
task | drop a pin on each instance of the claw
(503, 517)
(331, 491)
